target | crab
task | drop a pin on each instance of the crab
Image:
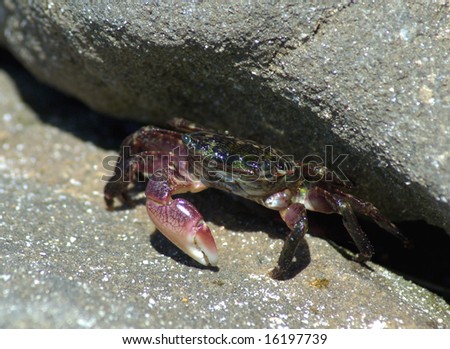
(191, 159)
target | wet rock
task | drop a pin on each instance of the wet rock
(68, 262)
(370, 79)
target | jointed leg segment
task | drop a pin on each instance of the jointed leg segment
(321, 200)
(297, 221)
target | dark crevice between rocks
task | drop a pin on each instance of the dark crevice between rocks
(65, 112)
(427, 264)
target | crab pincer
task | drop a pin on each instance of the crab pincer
(179, 220)
(191, 159)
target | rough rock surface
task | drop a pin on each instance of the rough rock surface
(292, 76)
(67, 262)
(369, 78)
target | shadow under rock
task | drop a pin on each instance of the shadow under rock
(427, 264)
(64, 112)
(424, 263)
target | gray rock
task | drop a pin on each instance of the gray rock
(67, 262)
(370, 79)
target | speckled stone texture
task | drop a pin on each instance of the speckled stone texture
(370, 79)
(65, 261)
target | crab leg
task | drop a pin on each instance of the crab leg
(178, 219)
(137, 156)
(295, 217)
(126, 172)
(369, 210)
(320, 200)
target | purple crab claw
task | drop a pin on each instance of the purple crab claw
(192, 159)
(181, 223)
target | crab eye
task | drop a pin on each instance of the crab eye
(267, 165)
(282, 167)
(186, 139)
